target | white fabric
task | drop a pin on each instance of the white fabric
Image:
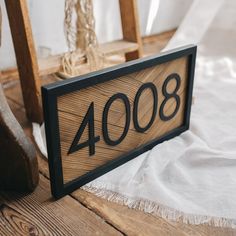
(40, 138)
(195, 24)
(191, 177)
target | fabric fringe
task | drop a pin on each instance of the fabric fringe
(158, 210)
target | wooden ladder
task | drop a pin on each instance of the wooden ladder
(30, 68)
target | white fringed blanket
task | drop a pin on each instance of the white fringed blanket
(191, 177)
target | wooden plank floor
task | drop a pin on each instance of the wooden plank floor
(81, 213)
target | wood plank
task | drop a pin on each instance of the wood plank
(15, 148)
(13, 91)
(8, 75)
(118, 47)
(158, 39)
(52, 64)
(151, 44)
(156, 42)
(26, 57)
(132, 222)
(39, 214)
(131, 27)
(136, 222)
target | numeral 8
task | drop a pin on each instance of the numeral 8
(168, 96)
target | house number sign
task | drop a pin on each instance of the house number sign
(97, 122)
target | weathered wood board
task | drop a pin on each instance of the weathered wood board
(101, 120)
(18, 159)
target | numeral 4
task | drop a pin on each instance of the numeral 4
(88, 120)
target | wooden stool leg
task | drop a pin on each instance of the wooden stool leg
(26, 57)
(18, 160)
(130, 27)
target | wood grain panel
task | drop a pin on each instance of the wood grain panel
(72, 108)
(26, 57)
(38, 214)
(131, 27)
(135, 222)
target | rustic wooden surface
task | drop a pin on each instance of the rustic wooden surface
(130, 27)
(72, 108)
(52, 64)
(39, 214)
(80, 213)
(26, 57)
(18, 162)
(28, 68)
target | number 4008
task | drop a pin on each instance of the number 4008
(89, 117)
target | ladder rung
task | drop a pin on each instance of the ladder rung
(52, 64)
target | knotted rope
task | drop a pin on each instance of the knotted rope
(80, 35)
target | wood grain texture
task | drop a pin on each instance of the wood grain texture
(131, 27)
(128, 221)
(53, 64)
(73, 107)
(30, 71)
(39, 214)
(135, 222)
(26, 57)
(157, 42)
(18, 160)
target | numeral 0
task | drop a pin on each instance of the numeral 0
(89, 117)
(106, 137)
(152, 87)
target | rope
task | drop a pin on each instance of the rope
(70, 30)
(80, 35)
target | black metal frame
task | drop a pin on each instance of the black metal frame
(52, 91)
